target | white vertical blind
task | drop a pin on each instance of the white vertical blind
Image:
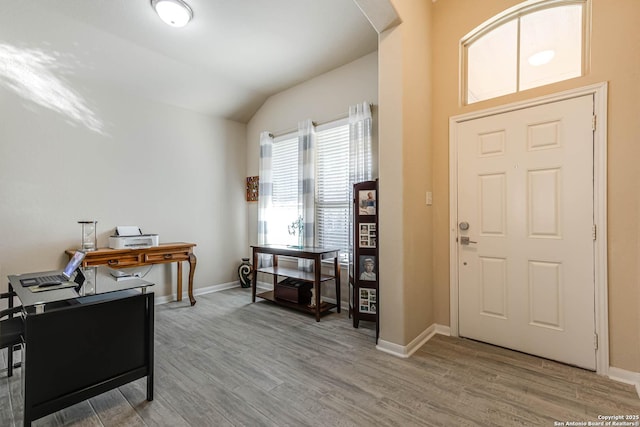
(332, 185)
(285, 189)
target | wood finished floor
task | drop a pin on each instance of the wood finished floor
(227, 362)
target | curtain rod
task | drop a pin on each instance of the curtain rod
(291, 130)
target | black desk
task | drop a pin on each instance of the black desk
(76, 347)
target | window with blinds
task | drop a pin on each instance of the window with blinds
(331, 182)
(332, 185)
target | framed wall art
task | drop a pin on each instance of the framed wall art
(252, 188)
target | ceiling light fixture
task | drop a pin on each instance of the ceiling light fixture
(541, 58)
(173, 12)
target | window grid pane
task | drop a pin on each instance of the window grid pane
(557, 31)
(493, 63)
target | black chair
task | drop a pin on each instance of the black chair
(11, 330)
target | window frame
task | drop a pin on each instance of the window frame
(515, 13)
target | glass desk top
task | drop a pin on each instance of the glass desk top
(103, 286)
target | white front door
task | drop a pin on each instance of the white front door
(526, 215)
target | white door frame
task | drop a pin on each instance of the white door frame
(599, 91)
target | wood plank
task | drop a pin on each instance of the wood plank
(228, 362)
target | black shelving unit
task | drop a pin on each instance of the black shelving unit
(364, 274)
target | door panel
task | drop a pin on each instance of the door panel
(526, 261)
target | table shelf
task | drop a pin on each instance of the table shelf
(295, 274)
(317, 255)
(325, 307)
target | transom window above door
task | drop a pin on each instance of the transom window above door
(535, 43)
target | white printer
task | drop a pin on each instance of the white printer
(131, 237)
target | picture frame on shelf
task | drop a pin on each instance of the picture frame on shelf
(367, 235)
(367, 202)
(367, 268)
(368, 300)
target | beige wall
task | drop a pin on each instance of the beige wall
(168, 170)
(615, 58)
(417, 165)
(414, 152)
(322, 99)
(406, 269)
(391, 197)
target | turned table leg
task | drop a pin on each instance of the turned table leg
(192, 271)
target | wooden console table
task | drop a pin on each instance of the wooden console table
(161, 254)
(315, 254)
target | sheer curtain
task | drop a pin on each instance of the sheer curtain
(306, 186)
(265, 193)
(360, 157)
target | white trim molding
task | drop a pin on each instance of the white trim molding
(599, 92)
(198, 291)
(627, 377)
(407, 350)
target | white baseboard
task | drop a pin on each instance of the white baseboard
(407, 350)
(199, 291)
(627, 377)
